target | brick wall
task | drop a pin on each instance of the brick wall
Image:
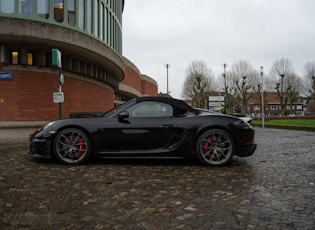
(149, 88)
(29, 97)
(132, 78)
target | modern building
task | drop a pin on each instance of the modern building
(88, 34)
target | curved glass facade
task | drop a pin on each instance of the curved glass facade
(101, 19)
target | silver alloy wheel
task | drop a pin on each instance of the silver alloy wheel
(71, 146)
(215, 147)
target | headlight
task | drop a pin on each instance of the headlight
(47, 127)
(49, 124)
(241, 124)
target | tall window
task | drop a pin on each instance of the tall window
(43, 8)
(58, 10)
(96, 3)
(71, 12)
(102, 22)
(15, 57)
(6, 6)
(89, 16)
(81, 14)
(26, 7)
(30, 59)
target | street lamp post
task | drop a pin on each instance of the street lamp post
(198, 78)
(282, 95)
(167, 66)
(262, 97)
(225, 87)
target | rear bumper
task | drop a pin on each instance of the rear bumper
(247, 150)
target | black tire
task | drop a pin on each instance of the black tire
(215, 148)
(72, 147)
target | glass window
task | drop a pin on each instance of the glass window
(150, 109)
(102, 22)
(26, 7)
(30, 59)
(256, 107)
(96, 3)
(43, 8)
(105, 25)
(88, 16)
(81, 14)
(58, 10)
(15, 57)
(6, 6)
(71, 12)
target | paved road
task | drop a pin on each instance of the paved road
(273, 189)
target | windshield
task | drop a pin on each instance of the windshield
(114, 110)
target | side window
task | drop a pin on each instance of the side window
(150, 109)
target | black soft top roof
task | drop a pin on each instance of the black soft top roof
(180, 104)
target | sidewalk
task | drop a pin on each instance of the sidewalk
(22, 124)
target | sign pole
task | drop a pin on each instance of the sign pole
(58, 96)
(60, 90)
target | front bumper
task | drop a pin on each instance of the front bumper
(38, 147)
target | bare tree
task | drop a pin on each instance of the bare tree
(309, 71)
(242, 76)
(294, 87)
(257, 88)
(198, 84)
(225, 85)
(280, 72)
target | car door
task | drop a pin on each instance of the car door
(148, 128)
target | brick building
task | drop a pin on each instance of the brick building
(88, 34)
(272, 105)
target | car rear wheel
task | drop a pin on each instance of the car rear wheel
(215, 147)
(72, 147)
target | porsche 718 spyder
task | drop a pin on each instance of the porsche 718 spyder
(146, 127)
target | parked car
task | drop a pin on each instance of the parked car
(146, 127)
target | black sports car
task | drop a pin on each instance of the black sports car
(146, 127)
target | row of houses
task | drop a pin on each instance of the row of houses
(272, 105)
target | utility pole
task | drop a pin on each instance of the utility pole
(225, 88)
(167, 66)
(262, 97)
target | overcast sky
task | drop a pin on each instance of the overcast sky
(178, 32)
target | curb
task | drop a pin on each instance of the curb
(22, 124)
(310, 129)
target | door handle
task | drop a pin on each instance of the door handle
(166, 126)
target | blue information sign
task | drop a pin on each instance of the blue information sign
(5, 75)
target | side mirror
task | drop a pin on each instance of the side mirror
(123, 115)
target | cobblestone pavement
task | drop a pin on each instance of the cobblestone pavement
(273, 189)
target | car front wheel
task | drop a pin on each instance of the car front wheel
(72, 147)
(215, 147)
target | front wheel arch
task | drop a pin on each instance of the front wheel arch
(75, 153)
(215, 147)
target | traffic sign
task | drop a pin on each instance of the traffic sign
(61, 79)
(56, 57)
(58, 97)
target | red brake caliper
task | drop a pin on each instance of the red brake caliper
(81, 147)
(205, 145)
